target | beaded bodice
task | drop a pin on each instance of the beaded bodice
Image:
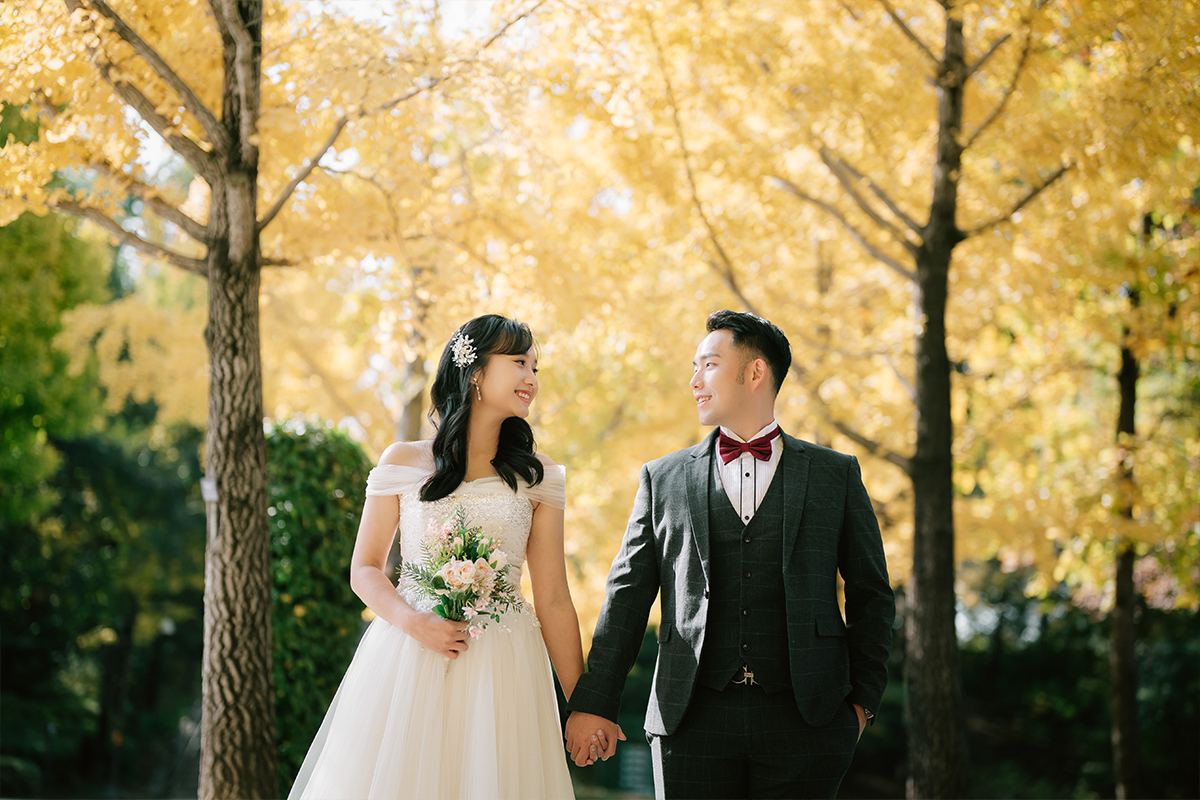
(504, 515)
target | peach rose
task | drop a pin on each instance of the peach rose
(465, 571)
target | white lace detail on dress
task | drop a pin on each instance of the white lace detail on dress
(503, 514)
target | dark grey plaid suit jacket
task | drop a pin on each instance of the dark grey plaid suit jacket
(829, 526)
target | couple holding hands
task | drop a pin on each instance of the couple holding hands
(760, 688)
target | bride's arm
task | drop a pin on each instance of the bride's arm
(552, 597)
(376, 532)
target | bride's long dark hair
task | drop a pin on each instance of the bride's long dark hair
(450, 398)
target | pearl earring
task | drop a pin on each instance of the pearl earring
(478, 394)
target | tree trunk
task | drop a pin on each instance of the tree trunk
(412, 414)
(932, 681)
(1121, 646)
(237, 757)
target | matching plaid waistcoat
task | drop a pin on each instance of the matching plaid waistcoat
(747, 614)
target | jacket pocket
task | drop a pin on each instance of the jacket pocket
(664, 632)
(827, 626)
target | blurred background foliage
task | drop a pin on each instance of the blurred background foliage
(611, 177)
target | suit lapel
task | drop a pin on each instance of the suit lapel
(794, 468)
(697, 480)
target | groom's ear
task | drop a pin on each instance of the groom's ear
(758, 372)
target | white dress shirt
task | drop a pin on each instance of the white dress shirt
(746, 479)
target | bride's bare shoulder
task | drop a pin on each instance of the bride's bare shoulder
(408, 454)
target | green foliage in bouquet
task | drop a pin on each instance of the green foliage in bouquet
(465, 571)
(316, 478)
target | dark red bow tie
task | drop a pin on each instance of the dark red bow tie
(760, 448)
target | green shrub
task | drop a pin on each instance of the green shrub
(317, 480)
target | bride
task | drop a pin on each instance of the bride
(426, 710)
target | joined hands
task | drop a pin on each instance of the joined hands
(590, 737)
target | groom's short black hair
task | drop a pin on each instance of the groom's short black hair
(758, 338)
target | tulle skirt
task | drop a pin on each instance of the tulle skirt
(408, 723)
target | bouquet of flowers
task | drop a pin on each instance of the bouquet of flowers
(465, 571)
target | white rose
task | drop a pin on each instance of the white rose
(446, 573)
(465, 572)
(499, 560)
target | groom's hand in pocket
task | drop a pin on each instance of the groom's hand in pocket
(590, 737)
(862, 718)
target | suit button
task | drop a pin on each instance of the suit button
(746, 518)
(745, 647)
(746, 540)
(745, 612)
(747, 573)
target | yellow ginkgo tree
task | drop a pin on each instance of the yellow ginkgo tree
(855, 171)
(250, 96)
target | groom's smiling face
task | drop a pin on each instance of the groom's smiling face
(718, 380)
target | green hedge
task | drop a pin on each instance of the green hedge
(317, 479)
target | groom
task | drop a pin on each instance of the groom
(761, 690)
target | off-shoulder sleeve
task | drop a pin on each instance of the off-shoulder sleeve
(552, 490)
(391, 479)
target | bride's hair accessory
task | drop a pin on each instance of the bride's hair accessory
(463, 349)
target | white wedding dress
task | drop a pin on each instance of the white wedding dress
(407, 722)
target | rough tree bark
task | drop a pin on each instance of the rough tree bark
(1122, 637)
(237, 734)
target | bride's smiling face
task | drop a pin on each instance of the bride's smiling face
(508, 383)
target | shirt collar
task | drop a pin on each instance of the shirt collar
(772, 424)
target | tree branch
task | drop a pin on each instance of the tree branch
(195, 155)
(504, 28)
(907, 31)
(162, 208)
(854, 232)
(212, 126)
(870, 445)
(978, 65)
(311, 163)
(1012, 86)
(884, 198)
(1028, 198)
(845, 175)
(113, 227)
(900, 376)
(150, 196)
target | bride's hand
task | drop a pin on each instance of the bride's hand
(445, 636)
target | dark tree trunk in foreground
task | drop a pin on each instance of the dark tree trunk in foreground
(1121, 646)
(238, 722)
(237, 735)
(931, 676)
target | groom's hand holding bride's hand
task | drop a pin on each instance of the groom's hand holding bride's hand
(590, 737)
